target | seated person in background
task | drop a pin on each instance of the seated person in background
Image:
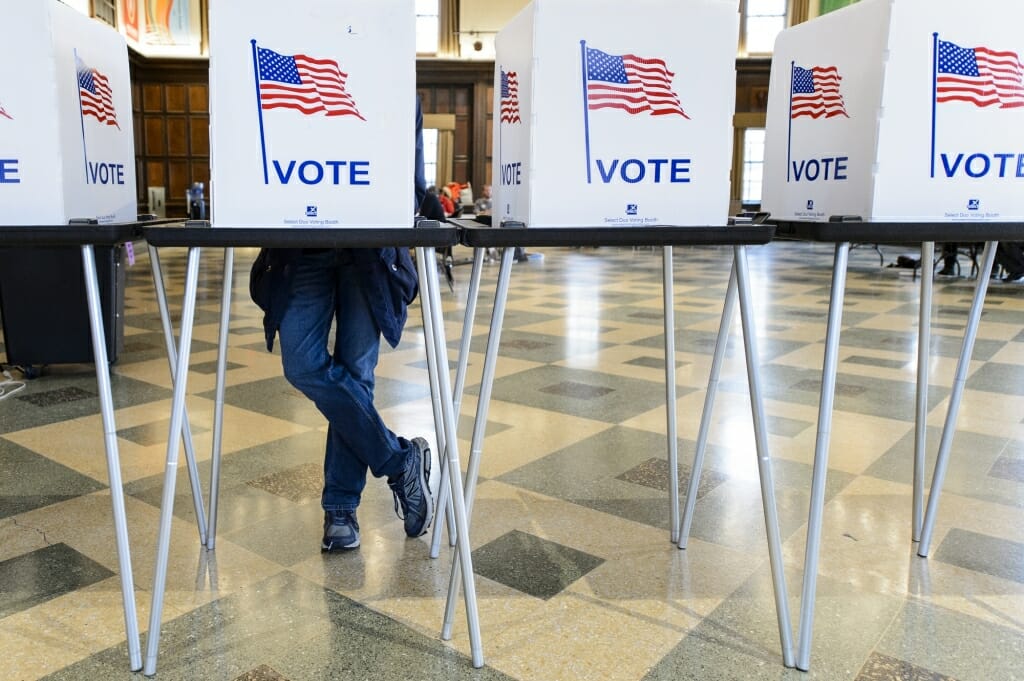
(1010, 256)
(483, 204)
(446, 201)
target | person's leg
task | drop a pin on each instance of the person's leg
(323, 290)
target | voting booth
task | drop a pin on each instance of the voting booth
(66, 137)
(615, 113)
(312, 113)
(899, 111)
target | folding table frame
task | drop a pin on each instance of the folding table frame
(507, 237)
(841, 231)
(86, 234)
(425, 237)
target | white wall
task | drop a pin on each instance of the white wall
(485, 18)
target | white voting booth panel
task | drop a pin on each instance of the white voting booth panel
(312, 113)
(610, 112)
(66, 136)
(910, 110)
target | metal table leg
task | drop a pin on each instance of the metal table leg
(709, 403)
(480, 423)
(479, 255)
(821, 444)
(924, 342)
(668, 302)
(430, 288)
(218, 403)
(124, 561)
(764, 462)
(188, 309)
(172, 360)
(949, 427)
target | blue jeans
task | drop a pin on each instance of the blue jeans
(326, 287)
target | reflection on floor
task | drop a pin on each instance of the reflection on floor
(577, 577)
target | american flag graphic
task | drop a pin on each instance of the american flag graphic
(816, 92)
(510, 97)
(4, 113)
(631, 83)
(979, 75)
(312, 86)
(95, 95)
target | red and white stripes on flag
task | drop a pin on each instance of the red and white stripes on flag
(306, 84)
(634, 84)
(95, 95)
(816, 92)
(979, 75)
(509, 97)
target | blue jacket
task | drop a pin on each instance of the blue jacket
(390, 280)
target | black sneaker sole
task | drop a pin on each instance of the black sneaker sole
(426, 463)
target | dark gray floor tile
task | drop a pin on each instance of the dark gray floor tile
(209, 368)
(261, 673)
(149, 434)
(29, 481)
(653, 473)
(49, 398)
(624, 399)
(971, 457)
(535, 566)
(72, 382)
(652, 362)
(884, 668)
(297, 484)
(996, 377)
(1008, 468)
(278, 398)
(44, 574)
(858, 394)
(876, 362)
(981, 553)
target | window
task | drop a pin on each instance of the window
(760, 23)
(753, 166)
(430, 155)
(427, 26)
(105, 11)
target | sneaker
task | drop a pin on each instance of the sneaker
(414, 499)
(341, 531)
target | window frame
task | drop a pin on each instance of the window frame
(787, 20)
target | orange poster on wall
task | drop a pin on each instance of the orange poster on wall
(130, 19)
(168, 22)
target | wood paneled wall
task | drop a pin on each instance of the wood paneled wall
(170, 99)
(170, 102)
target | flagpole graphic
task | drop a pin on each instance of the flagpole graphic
(259, 110)
(935, 91)
(789, 138)
(81, 116)
(586, 107)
